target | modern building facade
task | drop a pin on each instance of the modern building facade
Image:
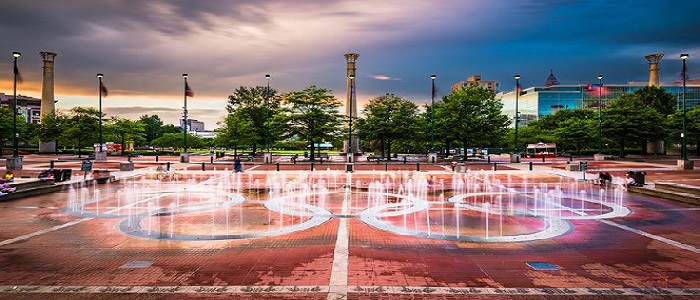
(475, 80)
(536, 102)
(27, 107)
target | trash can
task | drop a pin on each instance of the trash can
(638, 176)
(67, 174)
(57, 175)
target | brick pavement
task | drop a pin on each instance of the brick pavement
(48, 252)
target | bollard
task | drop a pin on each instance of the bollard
(530, 163)
(156, 157)
(51, 164)
(277, 167)
(488, 159)
(386, 167)
(495, 166)
(312, 166)
(211, 159)
(168, 168)
(543, 158)
(417, 166)
(404, 159)
(203, 168)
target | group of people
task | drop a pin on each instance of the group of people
(604, 179)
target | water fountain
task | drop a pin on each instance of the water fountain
(479, 206)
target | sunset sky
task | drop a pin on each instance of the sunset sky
(143, 47)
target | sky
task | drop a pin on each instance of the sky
(144, 47)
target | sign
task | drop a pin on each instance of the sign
(86, 166)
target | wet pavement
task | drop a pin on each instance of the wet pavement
(326, 235)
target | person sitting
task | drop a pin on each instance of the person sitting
(629, 181)
(5, 188)
(46, 175)
(9, 176)
(604, 178)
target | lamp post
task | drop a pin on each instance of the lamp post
(184, 115)
(600, 114)
(517, 94)
(684, 154)
(99, 91)
(267, 106)
(352, 95)
(432, 114)
(15, 151)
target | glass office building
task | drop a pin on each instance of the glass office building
(536, 102)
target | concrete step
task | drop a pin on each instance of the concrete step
(33, 188)
(677, 187)
(691, 198)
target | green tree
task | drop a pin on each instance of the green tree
(7, 128)
(388, 118)
(152, 126)
(571, 129)
(312, 115)
(256, 107)
(82, 129)
(626, 121)
(471, 116)
(237, 130)
(52, 127)
(125, 130)
(175, 140)
(692, 127)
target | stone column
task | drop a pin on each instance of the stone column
(47, 97)
(351, 102)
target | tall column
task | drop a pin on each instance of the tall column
(351, 102)
(653, 60)
(47, 97)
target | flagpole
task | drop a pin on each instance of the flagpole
(184, 115)
(99, 91)
(15, 152)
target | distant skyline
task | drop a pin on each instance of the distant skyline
(143, 47)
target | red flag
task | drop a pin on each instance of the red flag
(18, 75)
(188, 91)
(519, 89)
(103, 90)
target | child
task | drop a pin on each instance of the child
(9, 176)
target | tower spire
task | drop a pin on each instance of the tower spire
(551, 80)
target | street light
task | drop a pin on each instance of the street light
(99, 91)
(600, 114)
(517, 94)
(267, 106)
(15, 152)
(352, 94)
(684, 154)
(184, 114)
(432, 114)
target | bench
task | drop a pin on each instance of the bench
(373, 157)
(101, 176)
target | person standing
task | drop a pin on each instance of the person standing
(237, 167)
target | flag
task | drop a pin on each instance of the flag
(188, 91)
(103, 90)
(18, 75)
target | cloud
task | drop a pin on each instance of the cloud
(383, 77)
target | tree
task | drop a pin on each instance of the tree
(692, 127)
(125, 130)
(471, 116)
(82, 127)
(312, 115)
(627, 120)
(387, 119)
(175, 140)
(152, 127)
(237, 130)
(7, 128)
(256, 107)
(52, 127)
(571, 129)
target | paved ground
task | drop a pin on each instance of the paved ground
(135, 244)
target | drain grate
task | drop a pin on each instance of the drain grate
(137, 264)
(543, 266)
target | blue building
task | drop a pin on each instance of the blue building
(536, 102)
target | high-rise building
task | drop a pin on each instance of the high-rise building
(475, 80)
